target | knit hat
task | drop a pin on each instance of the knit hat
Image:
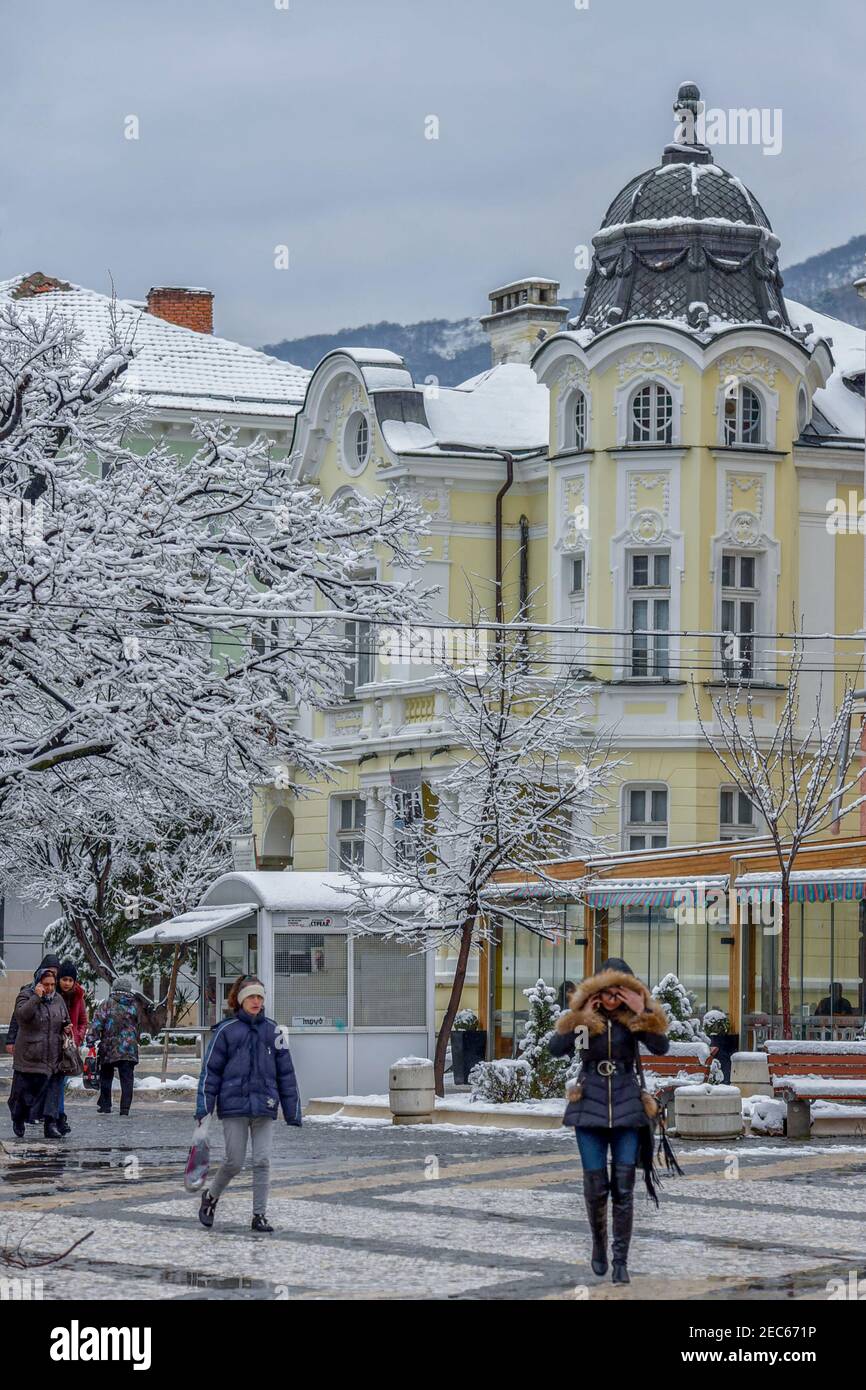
(249, 989)
(68, 970)
(123, 984)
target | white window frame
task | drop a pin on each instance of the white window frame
(737, 829)
(650, 828)
(733, 420)
(359, 636)
(355, 421)
(738, 594)
(769, 401)
(566, 435)
(650, 593)
(351, 834)
(654, 390)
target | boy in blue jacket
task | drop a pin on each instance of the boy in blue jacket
(247, 1075)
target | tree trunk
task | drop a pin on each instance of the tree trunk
(103, 968)
(453, 1005)
(785, 966)
(172, 986)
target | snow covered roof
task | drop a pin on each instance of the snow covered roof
(838, 403)
(192, 925)
(301, 890)
(505, 408)
(176, 368)
(810, 885)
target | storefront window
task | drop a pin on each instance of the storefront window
(526, 958)
(826, 973)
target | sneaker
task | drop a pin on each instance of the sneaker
(260, 1222)
(207, 1209)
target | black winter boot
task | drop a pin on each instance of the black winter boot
(63, 1125)
(622, 1193)
(52, 1131)
(18, 1129)
(207, 1209)
(260, 1222)
(595, 1190)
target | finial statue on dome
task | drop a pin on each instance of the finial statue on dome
(688, 109)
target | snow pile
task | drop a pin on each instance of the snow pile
(412, 1062)
(764, 1114)
(814, 1049)
(843, 407)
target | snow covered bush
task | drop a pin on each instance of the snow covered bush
(501, 1082)
(715, 1021)
(548, 1073)
(466, 1021)
(679, 1005)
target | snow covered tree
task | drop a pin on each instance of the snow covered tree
(525, 785)
(151, 665)
(801, 773)
(684, 1024)
(548, 1073)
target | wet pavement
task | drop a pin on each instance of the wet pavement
(366, 1210)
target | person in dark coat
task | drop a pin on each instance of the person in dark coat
(833, 1003)
(116, 1029)
(48, 961)
(72, 995)
(247, 1075)
(42, 1019)
(611, 1014)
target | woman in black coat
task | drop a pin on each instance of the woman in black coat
(611, 1014)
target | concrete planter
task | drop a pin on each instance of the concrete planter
(751, 1072)
(411, 1093)
(709, 1112)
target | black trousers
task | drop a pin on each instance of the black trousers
(126, 1072)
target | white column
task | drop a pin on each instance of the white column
(374, 827)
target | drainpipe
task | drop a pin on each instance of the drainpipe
(509, 479)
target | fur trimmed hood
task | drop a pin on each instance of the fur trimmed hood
(652, 1018)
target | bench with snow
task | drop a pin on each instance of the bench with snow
(685, 1064)
(801, 1072)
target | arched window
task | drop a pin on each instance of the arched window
(743, 416)
(652, 415)
(577, 409)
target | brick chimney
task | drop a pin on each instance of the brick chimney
(190, 308)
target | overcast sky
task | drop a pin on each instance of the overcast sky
(262, 126)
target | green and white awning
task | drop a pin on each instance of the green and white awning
(654, 892)
(808, 885)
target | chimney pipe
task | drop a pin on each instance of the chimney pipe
(186, 306)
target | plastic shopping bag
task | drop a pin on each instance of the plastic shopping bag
(198, 1161)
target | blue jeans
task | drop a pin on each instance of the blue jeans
(62, 1108)
(594, 1144)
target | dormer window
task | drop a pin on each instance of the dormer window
(652, 415)
(743, 417)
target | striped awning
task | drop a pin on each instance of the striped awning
(808, 885)
(653, 892)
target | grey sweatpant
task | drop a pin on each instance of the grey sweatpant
(235, 1131)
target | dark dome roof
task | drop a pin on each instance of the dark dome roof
(689, 189)
(687, 241)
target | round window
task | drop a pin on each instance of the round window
(802, 409)
(356, 442)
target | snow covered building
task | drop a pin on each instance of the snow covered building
(184, 373)
(674, 455)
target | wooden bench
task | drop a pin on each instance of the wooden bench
(686, 1064)
(801, 1072)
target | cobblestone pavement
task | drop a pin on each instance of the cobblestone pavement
(370, 1211)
